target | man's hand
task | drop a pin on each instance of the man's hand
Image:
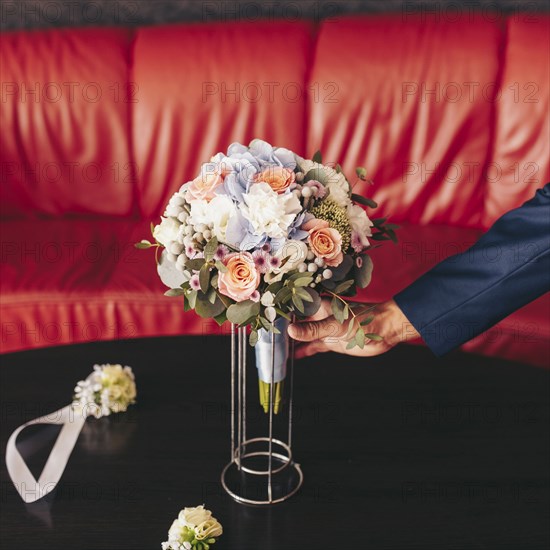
(322, 332)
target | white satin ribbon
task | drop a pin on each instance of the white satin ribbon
(72, 419)
(264, 354)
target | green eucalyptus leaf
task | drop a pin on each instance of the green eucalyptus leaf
(275, 287)
(339, 273)
(241, 312)
(283, 295)
(204, 277)
(282, 313)
(304, 295)
(361, 173)
(303, 281)
(220, 266)
(311, 307)
(365, 201)
(194, 265)
(360, 338)
(210, 249)
(143, 245)
(363, 274)
(205, 309)
(175, 292)
(375, 337)
(317, 157)
(298, 303)
(339, 310)
(221, 318)
(342, 287)
(367, 321)
(253, 338)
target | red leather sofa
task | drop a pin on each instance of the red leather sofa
(100, 125)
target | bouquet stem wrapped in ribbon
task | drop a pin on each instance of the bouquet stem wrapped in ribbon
(261, 235)
(272, 354)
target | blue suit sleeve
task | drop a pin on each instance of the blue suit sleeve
(468, 293)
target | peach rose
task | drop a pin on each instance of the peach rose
(277, 177)
(203, 186)
(241, 278)
(325, 242)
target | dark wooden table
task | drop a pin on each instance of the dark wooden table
(400, 451)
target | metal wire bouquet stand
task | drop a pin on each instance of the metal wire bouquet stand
(262, 470)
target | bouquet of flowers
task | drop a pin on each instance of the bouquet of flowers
(259, 236)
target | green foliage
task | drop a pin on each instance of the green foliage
(175, 292)
(363, 274)
(242, 312)
(365, 201)
(143, 245)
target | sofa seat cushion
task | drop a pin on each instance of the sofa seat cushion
(71, 281)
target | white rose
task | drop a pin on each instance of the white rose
(220, 209)
(166, 231)
(360, 223)
(269, 213)
(191, 517)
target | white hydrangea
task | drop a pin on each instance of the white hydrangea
(269, 213)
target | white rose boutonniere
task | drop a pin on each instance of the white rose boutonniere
(194, 529)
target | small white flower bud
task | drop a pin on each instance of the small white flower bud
(182, 216)
(177, 200)
(302, 268)
(173, 211)
(310, 255)
(327, 274)
(299, 176)
(176, 248)
(197, 236)
(320, 262)
(181, 260)
(306, 192)
(200, 228)
(318, 279)
(189, 230)
(207, 234)
(312, 268)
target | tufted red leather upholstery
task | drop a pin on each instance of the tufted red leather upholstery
(415, 101)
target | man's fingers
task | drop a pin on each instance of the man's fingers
(315, 330)
(309, 349)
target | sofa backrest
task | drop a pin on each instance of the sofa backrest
(64, 145)
(448, 117)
